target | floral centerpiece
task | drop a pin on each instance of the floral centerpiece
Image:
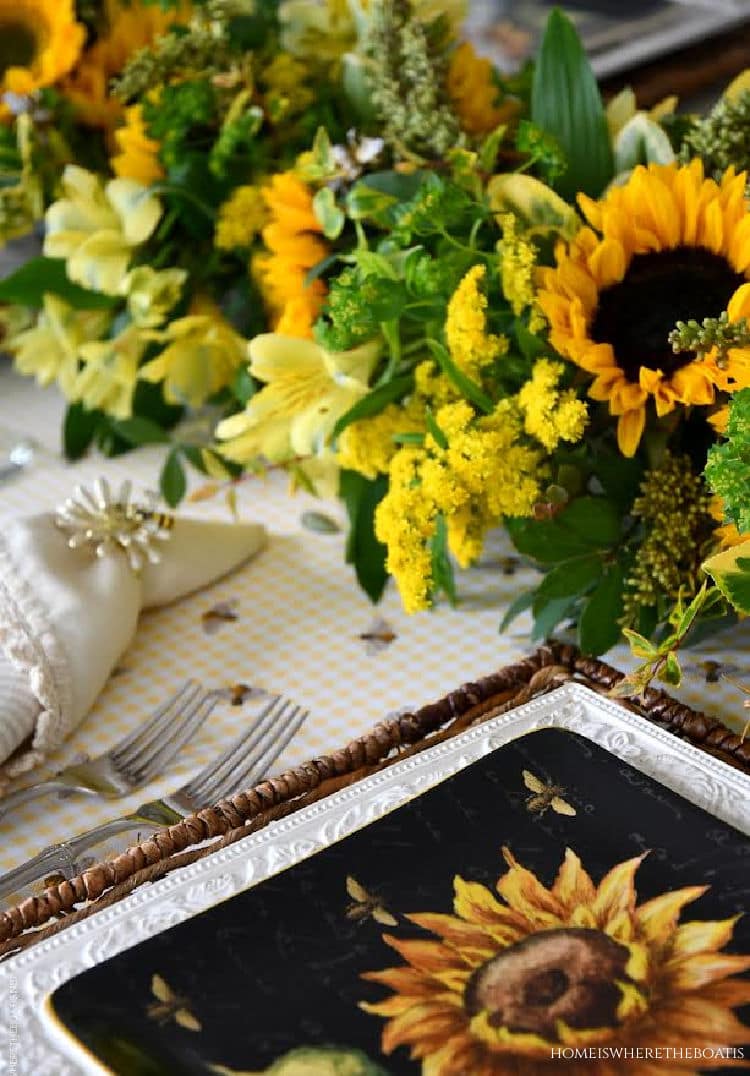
(336, 235)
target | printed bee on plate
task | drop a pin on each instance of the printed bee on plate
(221, 613)
(711, 671)
(169, 1006)
(366, 905)
(378, 636)
(545, 795)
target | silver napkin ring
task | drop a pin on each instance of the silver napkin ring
(108, 523)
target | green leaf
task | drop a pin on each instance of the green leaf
(530, 345)
(330, 217)
(442, 567)
(594, 519)
(549, 616)
(464, 384)
(432, 428)
(373, 403)
(140, 431)
(598, 627)
(620, 478)
(569, 579)
(730, 570)
(546, 541)
(79, 428)
(361, 497)
(566, 103)
(243, 385)
(671, 673)
(640, 646)
(39, 276)
(172, 481)
(519, 605)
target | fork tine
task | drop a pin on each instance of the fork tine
(182, 729)
(122, 752)
(210, 776)
(256, 767)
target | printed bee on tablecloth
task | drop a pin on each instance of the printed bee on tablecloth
(366, 905)
(170, 1006)
(545, 795)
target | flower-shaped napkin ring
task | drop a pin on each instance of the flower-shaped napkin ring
(109, 523)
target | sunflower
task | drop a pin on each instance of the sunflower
(131, 27)
(40, 42)
(669, 245)
(294, 243)
(575, 965)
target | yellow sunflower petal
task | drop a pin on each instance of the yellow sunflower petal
(691, 973)
(525, 893)
(657, 918)
(573, 885)
(630, 428)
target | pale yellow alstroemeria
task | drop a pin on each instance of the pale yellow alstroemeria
(110, 372)
(97, 227)
(49, 351)
(152, 294)
(202, 355)
(307, 389)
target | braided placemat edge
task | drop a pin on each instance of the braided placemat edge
(107, 882)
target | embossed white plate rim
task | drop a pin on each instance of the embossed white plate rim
(32, 1044)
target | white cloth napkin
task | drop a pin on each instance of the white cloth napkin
(67, 616)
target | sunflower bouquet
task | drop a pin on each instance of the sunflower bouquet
(328, 236)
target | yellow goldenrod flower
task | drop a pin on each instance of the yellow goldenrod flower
(152, 294)
(368, 446)
(469, 343)
(306, 391)
(483, 474)
(433, 385)
(96, 228)
(49, 350)
(475, 93)
(202, 355)
(241, 218)
(138, 158)
(551, 414)
(110, 372)
(292, 237)
(131, 25)
(41, 42)
(286, 93)
(668, 246)
(518, 263)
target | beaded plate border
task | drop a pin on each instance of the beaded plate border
(31, 1044)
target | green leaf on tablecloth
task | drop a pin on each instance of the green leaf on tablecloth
(79, 429)
(598, 627)
(443, 578)
(41, 276)
(361, 497)
(172, 481)
(140, 431)
(566, 103)
(517, 606)
(373, 403)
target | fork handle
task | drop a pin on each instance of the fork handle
(62, 857)
(33, 792)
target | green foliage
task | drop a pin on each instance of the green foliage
(363, 550)
(374, 402)
(79, 429)
(728, 467)
(566, 105)
(172, 480)
(443, 579)
(357, 306)
(545, 156)
(178, 113)
(438, 206)
(39, 276)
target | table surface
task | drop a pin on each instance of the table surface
(300, 621)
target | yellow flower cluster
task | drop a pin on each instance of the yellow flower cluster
(518, 262)
(368, 446)
(241, 218)
(551, 414)
(483, 474)
(292, 238)
(474, 92)
(469, 343)
(138, 158)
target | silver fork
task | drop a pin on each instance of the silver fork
(136, 759)
(242, 764)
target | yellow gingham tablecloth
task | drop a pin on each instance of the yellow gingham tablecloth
(300, 618)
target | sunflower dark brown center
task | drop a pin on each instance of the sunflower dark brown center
(18, 45)
(659, 289)
(567, 974)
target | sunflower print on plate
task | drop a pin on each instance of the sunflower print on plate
(575, 965)
(670, 245)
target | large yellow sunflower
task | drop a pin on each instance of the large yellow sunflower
(130, 27)
(669, 245)
(510, 981)
(40, 42)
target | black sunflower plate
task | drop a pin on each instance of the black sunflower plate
(548, 904)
